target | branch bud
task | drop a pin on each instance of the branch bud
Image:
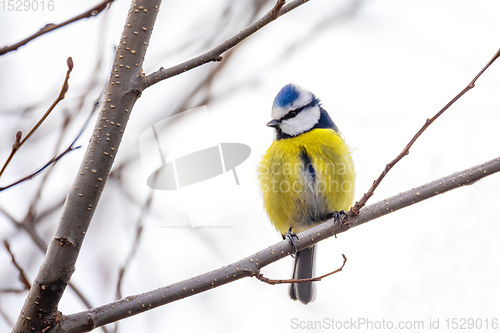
(70, 63)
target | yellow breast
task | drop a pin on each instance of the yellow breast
(305, 177)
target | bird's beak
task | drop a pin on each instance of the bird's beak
(273, 123)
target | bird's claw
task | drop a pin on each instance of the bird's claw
(341, 217)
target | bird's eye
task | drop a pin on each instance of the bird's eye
(291, 114)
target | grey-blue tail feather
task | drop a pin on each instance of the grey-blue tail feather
(303, 269)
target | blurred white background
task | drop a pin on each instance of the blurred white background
(380, 67)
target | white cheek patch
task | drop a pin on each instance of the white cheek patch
(302, 122)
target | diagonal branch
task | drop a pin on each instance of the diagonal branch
(359, 204)
(215, 54)
(250, 266)
(94, 11)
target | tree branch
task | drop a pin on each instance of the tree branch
(250, 266)
(359, 204)
(94, 11)
(214, 54)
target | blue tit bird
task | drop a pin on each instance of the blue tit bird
(306, 176)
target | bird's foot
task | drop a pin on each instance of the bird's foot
(339, 216)
(291, 236)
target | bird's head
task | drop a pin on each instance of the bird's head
(295, 111)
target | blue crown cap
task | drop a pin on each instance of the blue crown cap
(287, 95)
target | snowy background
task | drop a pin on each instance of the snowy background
(380, 67)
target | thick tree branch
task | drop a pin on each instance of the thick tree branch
(120, 96)
(251, 265)
(94, 11)
(215, 54)
(359, 204)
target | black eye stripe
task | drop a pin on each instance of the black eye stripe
(295, 112)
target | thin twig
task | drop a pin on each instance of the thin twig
(52, 161)
(215, 55)
(18, 143)
(94, 11)
(262, 278)
(22, 276)
(359, 204)
(12, 291)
